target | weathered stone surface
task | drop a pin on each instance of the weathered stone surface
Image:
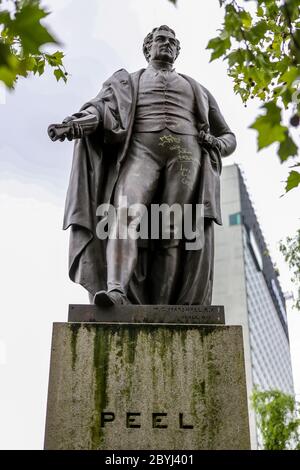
(197, 314)
(194, 374)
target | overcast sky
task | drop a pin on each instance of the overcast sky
(98, 38)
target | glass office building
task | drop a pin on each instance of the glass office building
(246, 283)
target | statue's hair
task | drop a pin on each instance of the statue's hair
(149, 39)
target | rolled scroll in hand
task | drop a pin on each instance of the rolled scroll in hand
(60, 131)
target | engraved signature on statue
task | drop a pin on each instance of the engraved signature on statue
(185, 157)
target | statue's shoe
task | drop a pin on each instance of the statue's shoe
(108, 299)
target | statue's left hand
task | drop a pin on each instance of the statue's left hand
(209, 141)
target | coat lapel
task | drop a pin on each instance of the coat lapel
(132, 90)
(202, 103)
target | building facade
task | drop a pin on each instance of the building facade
(246, 283)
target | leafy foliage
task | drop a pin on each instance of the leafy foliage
(262, 49)
(263, 54)
(278, 419)
(21, 37)
(291, 252)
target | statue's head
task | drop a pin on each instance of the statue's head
(161, 44)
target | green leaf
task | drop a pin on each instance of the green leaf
(58, 56)
(282, 64)
(5, 17)
(4, 54)
(219, 47)
(273, 114)
(263, 61)
(291, 8)
(293, 180)
(260, 11)
(269, 126)
(276, 45)
(27, 26)
(277, 414)
(30, 63)
(287, 148)
(55, 59)
(290, 75)
(258, 31)
(40, 66)
(232, 20)
(7, 76)
(237, 56)
(268, 135)
(21, 36)
(286, 96)
(59, 74)
(246, 19)
(272, 8)
(260, 77)
(294, 47)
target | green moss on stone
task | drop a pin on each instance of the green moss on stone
(74, 327)
(204, 396)
(213, 403)
(101, 364)
(202, 388)
(207, 330)
(119, 344)
(183, 337)
(130, 338)
(88, 326)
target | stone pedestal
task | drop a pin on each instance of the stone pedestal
(147, 385)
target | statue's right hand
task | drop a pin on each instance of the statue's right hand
(61, 131)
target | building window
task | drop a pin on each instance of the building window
(235, 219)
(255, 251)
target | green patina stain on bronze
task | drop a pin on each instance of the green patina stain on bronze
(74, 327)
(100, 363)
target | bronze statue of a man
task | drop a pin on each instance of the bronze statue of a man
(149, 137)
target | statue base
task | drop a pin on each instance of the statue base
(138, 382)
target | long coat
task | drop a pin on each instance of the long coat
(97, 160)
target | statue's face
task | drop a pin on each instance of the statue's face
(163, 47)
